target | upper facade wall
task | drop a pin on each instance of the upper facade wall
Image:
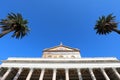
(61, 51)
(61, 55)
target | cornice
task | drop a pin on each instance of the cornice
(61, 51)
(83, 61)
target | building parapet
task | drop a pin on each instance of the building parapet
(93, 58)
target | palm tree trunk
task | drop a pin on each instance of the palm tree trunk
(116, 30)
(5, 32)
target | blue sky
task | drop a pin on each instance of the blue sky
(55, 21)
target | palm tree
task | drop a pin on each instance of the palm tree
(16, 24)
(106, 24)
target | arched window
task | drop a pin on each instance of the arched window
(44, 56)
(55, 56)
(49, 56)
(60, 56)
(72, 56)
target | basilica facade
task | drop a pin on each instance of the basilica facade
(60, 63)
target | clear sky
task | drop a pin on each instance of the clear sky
(68, 21)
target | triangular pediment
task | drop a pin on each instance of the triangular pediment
(61, 48)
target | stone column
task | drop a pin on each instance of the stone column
(79, 74)
(54, 74)
(29, 74)
(67, 74)
(18, 74)
(116, 73)
(1, 72)
(92, 74)
(42, 74)
(6, 74)
(0, 69)
(104, 73)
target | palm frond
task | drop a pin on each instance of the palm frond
(16, 23)
(105, 24)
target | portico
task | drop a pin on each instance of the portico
(60, 63)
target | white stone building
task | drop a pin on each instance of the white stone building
(60, 63)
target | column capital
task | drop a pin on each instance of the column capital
(66, 68)
(31, 68)
(20, 68)
(43, 69)
(10, 67)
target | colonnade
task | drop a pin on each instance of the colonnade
(60, 74)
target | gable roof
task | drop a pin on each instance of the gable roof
(61, 48)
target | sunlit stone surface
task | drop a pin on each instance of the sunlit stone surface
(60, 63)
